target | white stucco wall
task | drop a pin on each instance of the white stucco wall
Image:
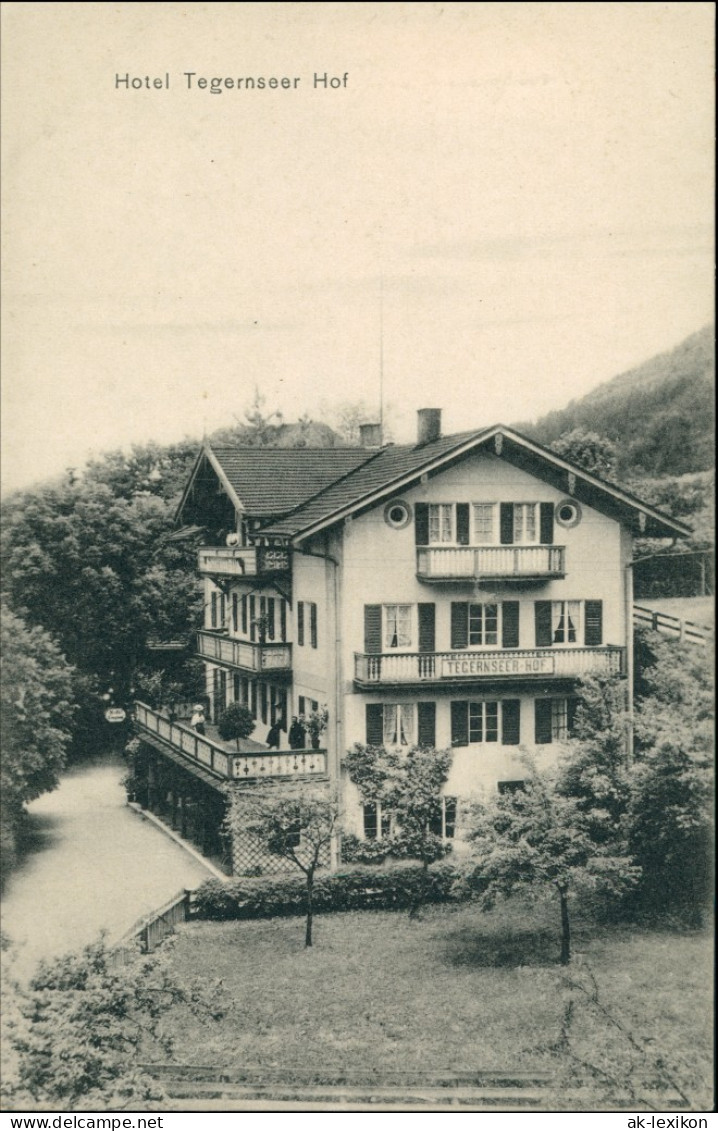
(379, 567)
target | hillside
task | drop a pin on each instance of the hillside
(659, 414)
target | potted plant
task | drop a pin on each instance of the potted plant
(315, 724)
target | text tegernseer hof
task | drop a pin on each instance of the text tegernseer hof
(194, 82)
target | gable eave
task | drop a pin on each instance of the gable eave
(654, 522)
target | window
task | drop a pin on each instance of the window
(235, 613)
(526, 523)
(270, 618)
(397, 626)
(306, 611)
(484, 523)
(554, 719)
(484, 721)
(301, 705)
(483, 624)
(525, 529)
(399, 724)
(377, 824)
(441, 523)
(511, 786)
(565, 622)
(569, 622)
(444, 822)
(245, 615)
(475, 721)
(263, 701)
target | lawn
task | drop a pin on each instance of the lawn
(457, 991)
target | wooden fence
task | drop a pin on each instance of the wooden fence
(149, 931)
(683, 630)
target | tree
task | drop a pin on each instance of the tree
(79, 1028)
(236, 722)
(595, 770)
(586, 449)
(534, 836)
(295, 823)
(671, 832)
(409, 789)
(37, 713)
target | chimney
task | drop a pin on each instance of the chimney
(370, 435)
(428, 425)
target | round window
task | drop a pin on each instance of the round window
(568, 513)
(397, 514)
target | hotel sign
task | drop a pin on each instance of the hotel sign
(459, 664)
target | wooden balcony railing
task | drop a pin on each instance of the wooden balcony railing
(242, 654)
(242, 561)
(519, 663)
(223, 763)
(456, 563)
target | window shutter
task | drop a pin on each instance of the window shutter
(543, 623)
(459, 624)
(426, 724)
(427, 627)
(313, 624)
(372, 628)
(506, 535)
(245, 615)
(462, 524)
(374, 724)
(283, 621)
(546, 529)
(460, 723)
(510, 624)
(270, 618)
(511, 722)
(594, 623)
(421, 524)
(542, 718)
(235, 613)
(300, 623)
(252, 617)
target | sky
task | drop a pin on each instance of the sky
(501, 207)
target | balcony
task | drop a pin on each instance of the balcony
(490, 563)
(219, 760)
(517, 664)
(242, 561)
(258, 659)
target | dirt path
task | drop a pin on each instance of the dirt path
(91, 865)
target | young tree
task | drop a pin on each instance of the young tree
(296, 823)
(36, 719)
(413, 796)
(235, 722)
(535, 836)
(409, 789)
(595, 770)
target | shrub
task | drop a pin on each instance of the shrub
(352, 889)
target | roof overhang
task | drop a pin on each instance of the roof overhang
(643, 519)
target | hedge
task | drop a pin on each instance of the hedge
(351, 889)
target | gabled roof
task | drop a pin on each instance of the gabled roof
(398, 467)
(268, 482)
